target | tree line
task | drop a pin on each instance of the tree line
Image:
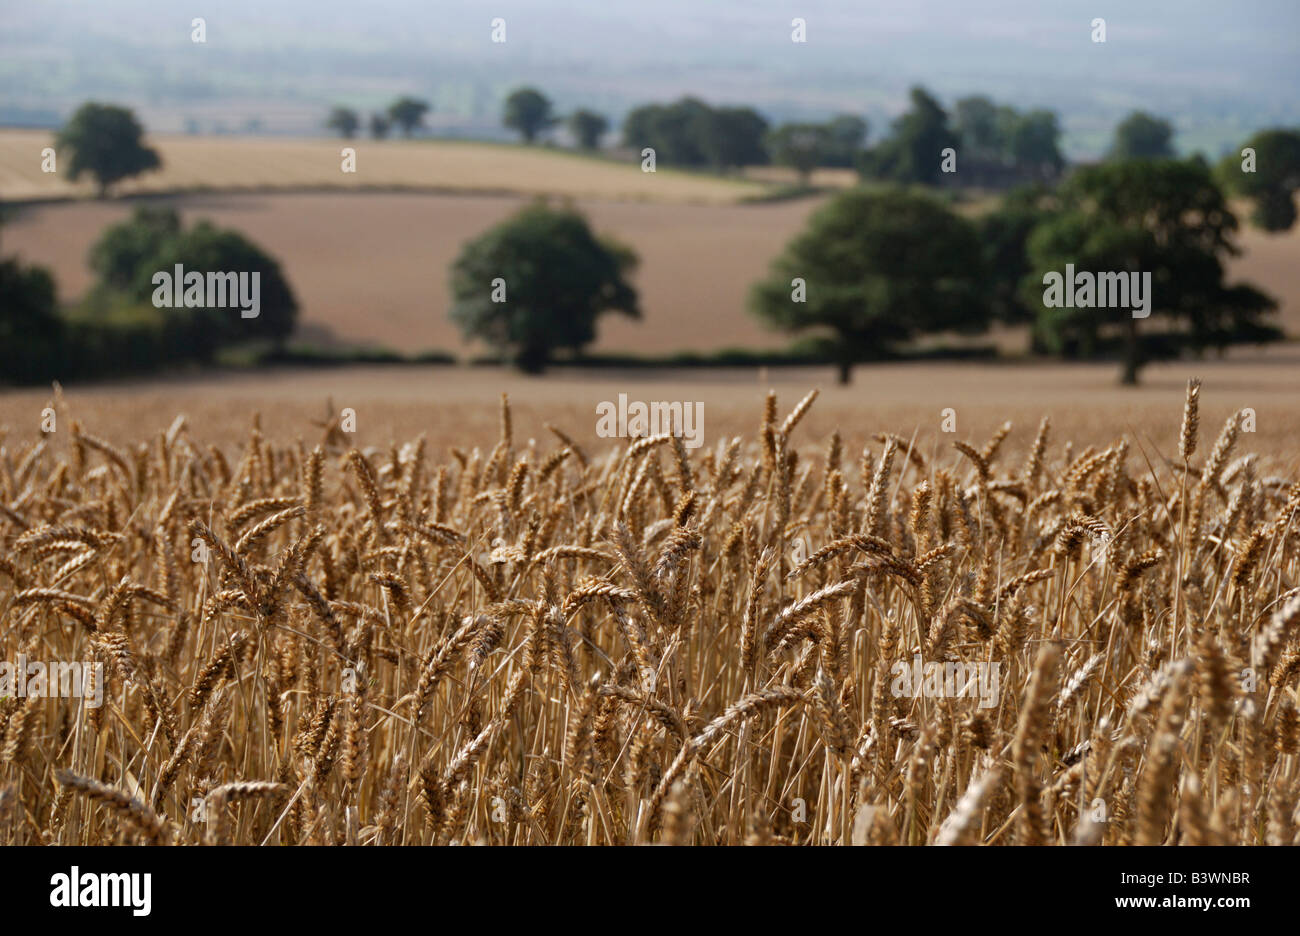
(876, 267)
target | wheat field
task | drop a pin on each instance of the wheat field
(303, 642)
(236, 164)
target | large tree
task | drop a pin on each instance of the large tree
(343, 121)
(1269, 175)
(537, 282)
(875, 269)
(587, 128)
(105, 142)
(123, 249)
(197, 333)
(528, 111)
(1162, 218)
(1142, 136)
(31, 331)
(914, 151)
(408, 113)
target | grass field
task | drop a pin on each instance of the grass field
(533, 640)
(259, 163)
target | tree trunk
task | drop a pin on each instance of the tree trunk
(846, 372)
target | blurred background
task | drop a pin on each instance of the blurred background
(691, 200)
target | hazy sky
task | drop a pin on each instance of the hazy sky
(1217, 69)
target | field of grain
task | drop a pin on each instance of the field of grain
(372, 268)
(268, 163)
(777, 638)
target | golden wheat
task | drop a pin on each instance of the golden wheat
(340, 645)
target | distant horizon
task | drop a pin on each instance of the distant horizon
(274, 68)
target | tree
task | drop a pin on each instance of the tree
(977, 125)
(587, 128)
(106, 143)
(673, 131)
(731, 137)
(877, 269)
(379, 126)
(1271, 178)
(1164, 218)
(803, 147)
(537, 282)
(528, 111)
(345, 121)
(1004, 235)
(1033, 145)
(1142, 136)
(207, 249)
(915, 150)
(123, 249)
(31, 331)
(408, 113)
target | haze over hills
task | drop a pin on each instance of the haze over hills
(1217, 70)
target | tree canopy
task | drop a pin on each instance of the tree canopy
(537, 282)
(1142, 136)
(408, 114)
(587, 128)
(106, 143)
(1162, 217)
(344, 121)
(528, 112)
(1269, 176)
(874, 269)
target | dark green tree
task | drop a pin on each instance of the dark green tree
(1142, 136)
(976, 123)
(877, 268)
(123, 249)
(1270, 178)
(913, 153)
(31, 332)
(537, 282)
(204, 248)
(408, 113)
(105, 142)
(1163, 217)
(528, 112)
(344, 121)
(1033, 145)
(380, 125)
(731, 137)
(673, 131)
(1004, 237)
(587, 128)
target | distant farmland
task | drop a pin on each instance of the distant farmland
(269, 164)
(372, 267)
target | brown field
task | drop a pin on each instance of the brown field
(544, 641)
(260, 163)
(457, 405)
(372, 268)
